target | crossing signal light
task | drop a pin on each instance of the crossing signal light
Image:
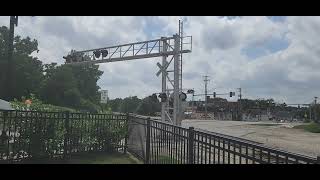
(183, 96)
(214, 94)
(154, 96)
(104, 53)
(97, 53)
(67, 58)
(231, 94)
(163, 97)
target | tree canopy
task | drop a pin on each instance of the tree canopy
(27, 70)
(61, 85)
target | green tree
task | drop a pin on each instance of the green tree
(60, 87)
(27, 70)
(87, 78)
(71, 86)
(149, 106)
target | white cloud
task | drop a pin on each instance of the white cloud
(290, 74)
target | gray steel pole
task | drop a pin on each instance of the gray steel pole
(164, 84)
(315, 109)
(310, 112)
(240, 107)
(176, 91)
(205, 94)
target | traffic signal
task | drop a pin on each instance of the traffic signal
(214, 94)
(231, 94)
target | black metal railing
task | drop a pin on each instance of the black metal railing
(32, 134)
(157, 142)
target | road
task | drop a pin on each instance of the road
(277, 135)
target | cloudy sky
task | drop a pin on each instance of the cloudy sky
(267, 57)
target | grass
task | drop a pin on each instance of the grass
(115, 158)
(310, 127)
(94, 158)
(167, 160)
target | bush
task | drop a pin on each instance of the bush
(312, 127)
(37, 105)
(88, 106)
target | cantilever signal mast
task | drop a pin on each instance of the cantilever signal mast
(163, 47)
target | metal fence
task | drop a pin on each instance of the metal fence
(157, 142)
(32, 134)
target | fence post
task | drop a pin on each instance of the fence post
(127, 135)
(190, 143)
(147, 160)
(66, 135)
(4, 139)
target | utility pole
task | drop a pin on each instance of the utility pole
(205, 94)
(13, 22)
(192, 105)
(310, 111)
(240, 107)
(315, 109)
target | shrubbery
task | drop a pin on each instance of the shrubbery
(37, 105)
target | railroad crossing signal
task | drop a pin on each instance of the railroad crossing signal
(163, 69)
(163, 47)
(183, 96)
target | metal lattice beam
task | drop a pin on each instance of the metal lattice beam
(132, 51)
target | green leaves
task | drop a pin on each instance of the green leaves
(27, 70)
(74, 87)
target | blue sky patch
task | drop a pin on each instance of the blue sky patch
(277, 18)
(269, 47)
